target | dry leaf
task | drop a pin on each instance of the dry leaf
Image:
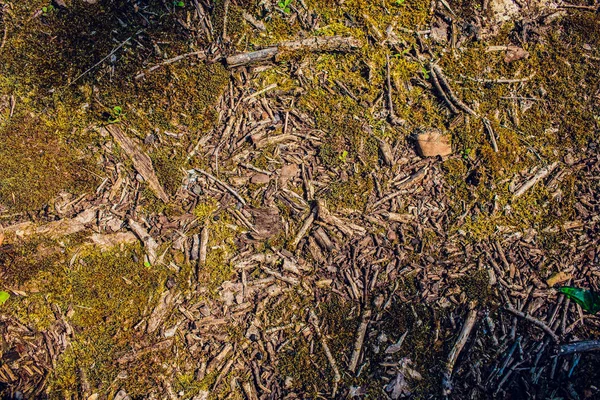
(559, 277)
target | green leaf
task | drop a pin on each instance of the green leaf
(587, 299)
(117, 110)
(179, 4)
(147, 264)
(44, 9)
(3, 297)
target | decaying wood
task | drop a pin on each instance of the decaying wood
(315, 44)
(457, 348)
(360, 339)
(223, 184)
(141, 161)
(203, 246)
(162, 310)
(346, 227)
(579, 347)
(308, 222)
(336, 372)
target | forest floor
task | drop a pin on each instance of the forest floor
(298, 198)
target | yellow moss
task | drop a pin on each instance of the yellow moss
(206, 209)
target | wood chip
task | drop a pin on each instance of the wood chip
(141, 161)
(558, 277)
(433, 143)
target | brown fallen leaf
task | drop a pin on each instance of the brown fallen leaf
(558, 277)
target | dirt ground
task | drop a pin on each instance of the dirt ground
(262, 199)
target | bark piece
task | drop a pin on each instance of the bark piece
(267, 222)
(149, 243)
(260, 179)
(161, 311)
(433, 143)
(141, 161)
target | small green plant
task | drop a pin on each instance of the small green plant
(179, 4)
(425, 73)
(3, 297)
(343, 157)
(466, 153)
(285, 5)
(399, 2)
(47, 9)
(116, 114)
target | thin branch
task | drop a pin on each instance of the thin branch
(226, 186)
(106, 57)
(534, 321)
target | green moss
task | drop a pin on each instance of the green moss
(206, 210)
(221, 248)
(297, 361)
(109, 293)
(67, 68)
(37, 162)
(352, 194)
(476, 286)
(168, 167)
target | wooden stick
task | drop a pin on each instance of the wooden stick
(449, 92)
(393, 119)
(360, 339)
(458, 346)
(438, 87)
(141, 161)
(314, 44)
(488, 127)
(534, 321)
(542, 173)
(200, 54)
(226, 186)
(149, 243)
(579, 347)
(336, 373)
(304, 229)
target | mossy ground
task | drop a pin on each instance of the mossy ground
(47, 149)
(49, 68)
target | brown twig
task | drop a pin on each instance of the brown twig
(360, 339)
(313, 44)
(200, 54)
(458, 346)
(448, 90)
(534, 321)
(392, 117)
(490, 131)
(308, 222)
(226, 186)
(542, 173)
(438, 88)
(336, 372)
